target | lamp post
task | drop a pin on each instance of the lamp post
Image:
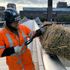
(49, 10)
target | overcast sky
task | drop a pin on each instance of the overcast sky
(30, 3)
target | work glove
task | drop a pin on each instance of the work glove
(17, 49)
(42, 30)
(39, 32)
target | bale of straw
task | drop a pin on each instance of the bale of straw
(56, 40)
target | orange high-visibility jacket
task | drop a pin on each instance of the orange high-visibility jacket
(9, 39)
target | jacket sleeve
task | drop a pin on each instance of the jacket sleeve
(3, 50)
(2, 46)
(26, 30)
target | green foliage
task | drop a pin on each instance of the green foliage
(63, 18)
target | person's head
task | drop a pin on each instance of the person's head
(12, 18)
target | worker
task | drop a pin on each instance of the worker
(14, 39)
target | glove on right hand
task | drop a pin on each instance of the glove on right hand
(18, 49)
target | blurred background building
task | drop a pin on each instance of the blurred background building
(11, 5)
(60, 14)
(34, 12)
(62, 5)
(2, 13)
